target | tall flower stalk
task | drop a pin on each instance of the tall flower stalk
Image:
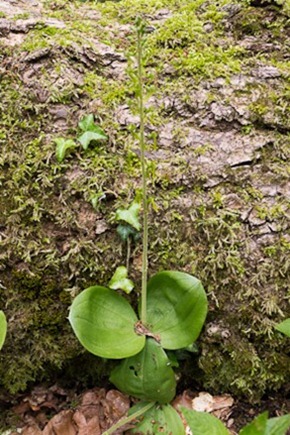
(140, 32)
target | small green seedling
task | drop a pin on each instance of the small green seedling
(120, 280)
(130, 215)
(91, 132)
(63, 145)
(129, 226)
(3, 328)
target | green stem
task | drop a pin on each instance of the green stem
(144, 181)
(128, 419)
(128, 253)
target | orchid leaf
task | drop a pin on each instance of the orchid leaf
(257, 426)
(130, 215)
(121, 281)
(202, 423)
(284, 327)
(278, 425)
(3, 328)
(147, 375)
(176, 308)
(62, 146)
(261, 425)
(104, 322)
(159, 419)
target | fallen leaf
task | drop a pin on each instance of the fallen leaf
(87, 427)
(116, 405)
(61, 424)
(205, 402)
(184, 399)
(31, 430)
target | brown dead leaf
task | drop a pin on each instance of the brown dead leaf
(21, 408)
(61, 424)
(205, 402)
(87, 427)
(116, 405)
(31, 430)
(184, 399)
(90, 415)
(222, 414)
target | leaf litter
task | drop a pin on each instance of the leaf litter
(58, 411)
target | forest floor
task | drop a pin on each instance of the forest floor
(55, 409)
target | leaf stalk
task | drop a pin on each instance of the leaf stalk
(128, 419)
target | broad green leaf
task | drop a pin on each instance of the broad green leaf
(159, 419)
(62, 146)
(176, 308)
(104, 322)
(3, 328)
(284, 327)
(130, 216)
(278, 425)
(202, 423)
(86, 138)
(120, 280)
(147, 375)
(257, 426)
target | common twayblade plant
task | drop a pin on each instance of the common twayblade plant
(171, 312)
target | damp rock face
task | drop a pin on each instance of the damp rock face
(217, 134)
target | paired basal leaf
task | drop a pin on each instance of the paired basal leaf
(202, 423)
(62, 146)
(176, 308)
(284, 327)
(3, 328)
(147, 375)
(159, 419)
(92, 132)
(104, 323)
(130, 215)
(121, 281)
